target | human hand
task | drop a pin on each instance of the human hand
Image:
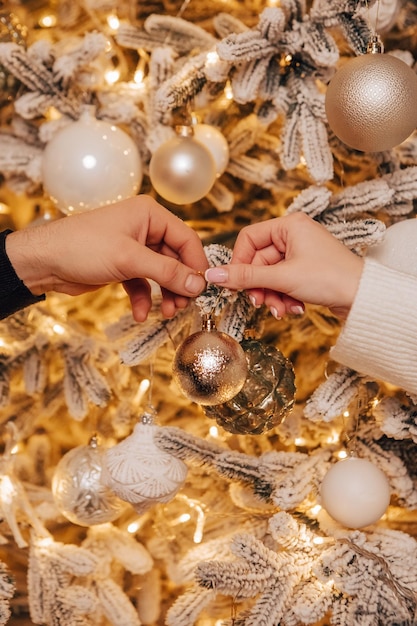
(127, 242)
(290, 260)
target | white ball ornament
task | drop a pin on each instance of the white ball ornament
(90, 163)
(78, 490)
(215, 142)
(355, 493)
(371, 102)
(398, 248)
(182, 170)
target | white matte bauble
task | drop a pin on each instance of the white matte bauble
(355, 493)
(398, 249)
(182, 170)
(141, 473)
(216, 144)
(371, 102)
(90, 163)
(78, 490)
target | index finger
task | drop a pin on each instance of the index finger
(255, 245)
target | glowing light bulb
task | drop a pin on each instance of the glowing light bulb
(113, 21)
(47, 21)
(133, 528)
(315, 510)
(112, 76)
(212, 57)
(318, 541)
(7, 490)
(228, 91)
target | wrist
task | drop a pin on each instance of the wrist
(25, 258)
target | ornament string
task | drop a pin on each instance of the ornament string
(397, 588)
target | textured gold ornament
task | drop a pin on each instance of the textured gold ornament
(210, 367)
(371, 102)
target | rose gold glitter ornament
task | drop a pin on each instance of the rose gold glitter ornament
(210, 367)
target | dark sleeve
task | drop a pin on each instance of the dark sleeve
(14, 295)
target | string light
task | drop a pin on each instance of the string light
(113, 21)
(47, 21)
(315, 510)
(112, 76)
(133, 528)
(7, 490)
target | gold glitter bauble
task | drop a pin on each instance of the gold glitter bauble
(371, 102)
(266, 397)
(210, 367)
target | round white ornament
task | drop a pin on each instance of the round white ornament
(90, 163)
(141, 473)
(355, 492)
(371, 102)
(398, 248)
(182, 170)
(216, 144)
(78, 490)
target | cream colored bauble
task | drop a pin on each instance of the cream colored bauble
(371, 102)
(398, 248)
(139, 472)
(355, 493)
(90, 163)
(182, 170)
(216, 144)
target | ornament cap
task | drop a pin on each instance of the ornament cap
(182, 130)
(375, 45)
(208, 323)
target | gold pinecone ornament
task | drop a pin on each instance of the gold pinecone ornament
(267, 396)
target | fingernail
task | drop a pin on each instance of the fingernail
(253, 302)
(195, 283)
(297, 310)
(274, 312)
(216, 275)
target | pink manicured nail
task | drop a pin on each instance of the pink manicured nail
(253, 302)
(274, 312)
(216, 275)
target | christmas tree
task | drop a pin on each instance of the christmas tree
(123, 501)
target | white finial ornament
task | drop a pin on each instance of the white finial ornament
(141, 473)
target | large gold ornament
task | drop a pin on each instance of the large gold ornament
(210, 367)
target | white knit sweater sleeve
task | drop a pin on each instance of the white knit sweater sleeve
(379, 338)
